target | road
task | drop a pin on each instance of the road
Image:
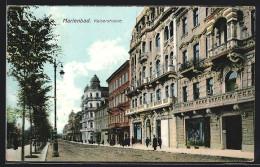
(92, 153)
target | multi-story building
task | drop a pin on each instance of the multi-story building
(216, 93)
(92, 98)
(64, 132)
(153, 75)
(118, 122)
(101, 124)
(71, 130)
(192, 77)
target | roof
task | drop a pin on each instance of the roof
(118, 70)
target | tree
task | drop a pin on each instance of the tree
(30, 45)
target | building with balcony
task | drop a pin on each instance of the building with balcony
(94, 95)
(118, 122)
(71, 130)
(101, 124)
(216, 75)
(153, 76)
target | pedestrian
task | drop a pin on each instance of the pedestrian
(147, 142)
(98, 141)
(128, 141)
(133, 142)
(159, 142)
(15, 141)
(154, 142)
(103, 141)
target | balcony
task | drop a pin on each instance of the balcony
(151, 106)
(240, 96)
(143, 57)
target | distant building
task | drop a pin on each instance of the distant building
(92, 98)
(64, 132)
(101, 124)
(118, 122)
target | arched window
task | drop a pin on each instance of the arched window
(166, 33)
(158, 67)
(158, 94)
(140, 100)
(230, 81)
(145, 98)
(157, 39)
(144, 69)
(171, 29)
(143, 47)
(167, 91)
(166, 63)
(171, 57)
(172, 89)
(220, 30)
(91, 124)
(97, 95)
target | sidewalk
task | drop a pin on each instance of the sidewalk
(15, 155)
(205, 151)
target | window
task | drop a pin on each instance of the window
(253, 73)
(123, 98)
(90, 95)
(133, 103)
(97, 95)
(143, 48)
(184, 25)
(158, 67)
(90, 105)
(220, 30)
(253, 22)
(196, 17)
(207, 12)
(119, 81)
(136, 102)
(184, 58)
(144, 68)
(123, 79)
(166, 33)
(123, 117)
(185, 93)
(116, 84)
(230, 81)
(210, 86)
(171, 29)
(151, 97)
(145, 98)
(158, 94)
(157, 39)
(120, 97)
(151, 69)
(150, 46)
(172, 89)
(91, 124)
(97, 104)
(126, 77)
(91, 114)
(167, 91)
(171, 57)
(140, 100)
(166, 63)
(196, 53)
(206, 51)
(196, 91)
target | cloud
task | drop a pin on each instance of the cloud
(105, 54)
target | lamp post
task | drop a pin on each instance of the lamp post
(55, 152)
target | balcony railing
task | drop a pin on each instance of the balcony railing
(228, 98)
(151, 106)
(143, 57)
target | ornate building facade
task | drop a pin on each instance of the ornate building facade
(92, 98)
(118, 122)
(192, 77)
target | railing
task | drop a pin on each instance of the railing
(234, 97)
(151, 106)
(166, 43)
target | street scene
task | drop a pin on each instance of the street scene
(130, 84)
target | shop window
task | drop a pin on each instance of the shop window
(196, 53)
(157, 39)
(196, 92)
(184, 25)
(196, 17)
(185, 93)
(210, 86)
(158, 94)
(230, 81)
(195, 132)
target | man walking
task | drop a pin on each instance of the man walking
(160, 142)
(154, 142)
(147, 142)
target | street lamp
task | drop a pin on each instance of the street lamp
(55, 152)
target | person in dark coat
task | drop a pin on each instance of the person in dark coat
(147, 142)
(154, 142)
(160, 142)
(128, 141)
(133, 141)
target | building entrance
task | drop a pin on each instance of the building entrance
(138, 133)
(233, 129)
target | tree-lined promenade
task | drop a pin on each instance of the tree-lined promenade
(30, 46)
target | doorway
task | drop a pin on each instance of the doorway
(232, 126)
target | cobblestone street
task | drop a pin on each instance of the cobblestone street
(92, 153)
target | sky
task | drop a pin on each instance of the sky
(87, 49)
